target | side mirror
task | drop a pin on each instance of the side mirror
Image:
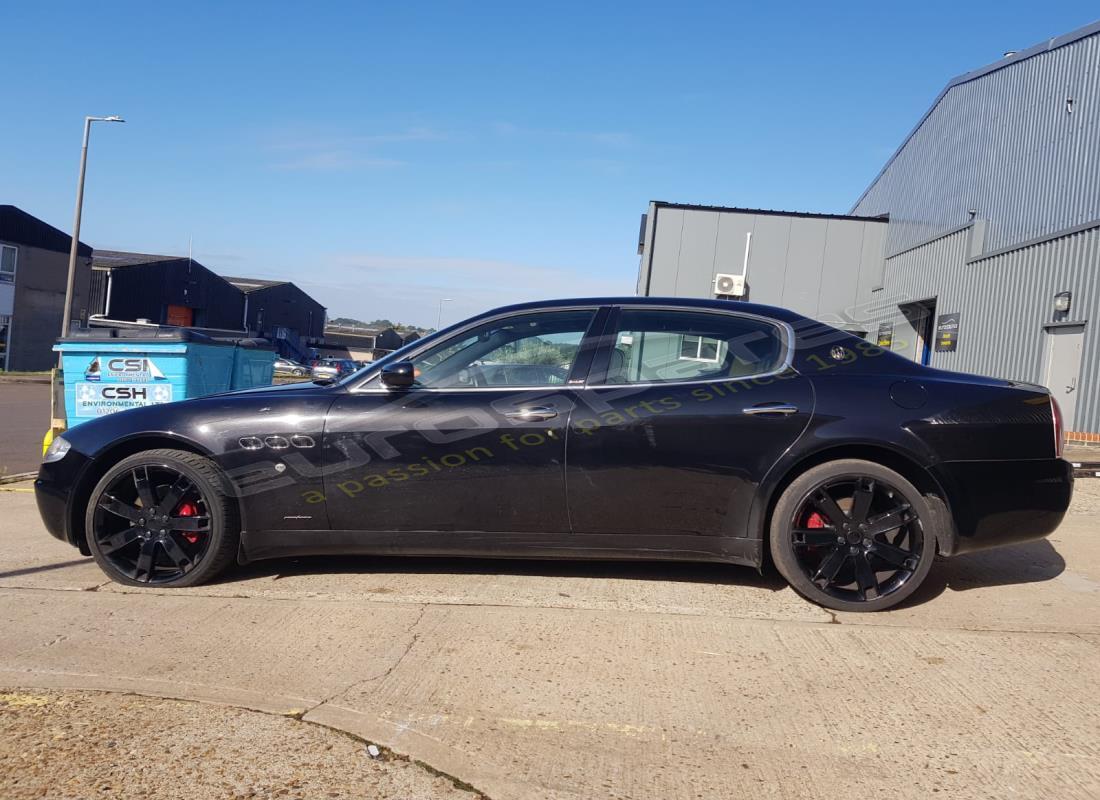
(399, 375)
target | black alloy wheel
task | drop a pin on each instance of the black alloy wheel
(162, 518)
(854, 539)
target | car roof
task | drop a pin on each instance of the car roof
(744, 307)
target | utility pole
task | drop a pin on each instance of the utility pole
(439, 316)
(58, 420)
(75, 244)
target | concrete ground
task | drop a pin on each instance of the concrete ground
(529, 679)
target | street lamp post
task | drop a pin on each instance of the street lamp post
(68, 310)
(439, 316)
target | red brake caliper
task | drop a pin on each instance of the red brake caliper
(815, 520)
(189, 509)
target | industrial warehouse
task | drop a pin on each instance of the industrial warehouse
(975, 249)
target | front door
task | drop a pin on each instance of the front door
(476, 445)
(687, 412)
(1062, 367)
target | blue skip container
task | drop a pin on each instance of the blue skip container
(115, 369)
(253, 364)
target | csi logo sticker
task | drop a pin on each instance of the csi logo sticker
(131, 369)
(97, 399)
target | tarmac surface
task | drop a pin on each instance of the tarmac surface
(24, 419)
(566, 680)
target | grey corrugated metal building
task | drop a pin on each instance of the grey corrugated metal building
(990, 259)
(816, 264)
(994, 206)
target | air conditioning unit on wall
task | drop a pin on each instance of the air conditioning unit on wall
(726, 285)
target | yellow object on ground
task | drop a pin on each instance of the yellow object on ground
(58, 423)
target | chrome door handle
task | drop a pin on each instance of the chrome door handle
(764, 409)
(531, 414)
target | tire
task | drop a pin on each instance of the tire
(848, 554)
(299, 373)
(190, 539)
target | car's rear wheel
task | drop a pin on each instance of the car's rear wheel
(853, 535)
(163, 518)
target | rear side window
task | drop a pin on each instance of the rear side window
(653, 346)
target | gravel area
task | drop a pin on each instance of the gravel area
(90, 744)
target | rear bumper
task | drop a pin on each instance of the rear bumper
(53, 491)
(997, 503)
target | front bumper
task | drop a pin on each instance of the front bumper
(54, 490)
(995, 503)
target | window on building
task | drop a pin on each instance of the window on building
(5, 330)
(7, 263)
(700, 348)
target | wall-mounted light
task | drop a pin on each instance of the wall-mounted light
(1062, 302)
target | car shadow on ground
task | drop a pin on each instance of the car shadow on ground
(37, 568)
(674, 571)
(1033, 562)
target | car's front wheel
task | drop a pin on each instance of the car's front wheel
(853, 535)
(163, 518)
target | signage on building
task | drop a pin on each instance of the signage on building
(885, 335)
(947, 333)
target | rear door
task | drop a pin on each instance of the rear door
(685, 412)
(1062, 367)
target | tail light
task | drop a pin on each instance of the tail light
(1059, 434)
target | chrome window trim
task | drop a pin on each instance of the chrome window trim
(785, 366)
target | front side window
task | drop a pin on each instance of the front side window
(7, 264)
(653, 345)
(535, 349)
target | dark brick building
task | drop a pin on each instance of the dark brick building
(167, 290)
(34, 268)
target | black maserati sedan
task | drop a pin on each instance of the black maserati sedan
(607, 428)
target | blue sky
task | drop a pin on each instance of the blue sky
(384, 155)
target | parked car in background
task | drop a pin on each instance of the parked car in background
(696, 430)
(333, 368)
(285, 367)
